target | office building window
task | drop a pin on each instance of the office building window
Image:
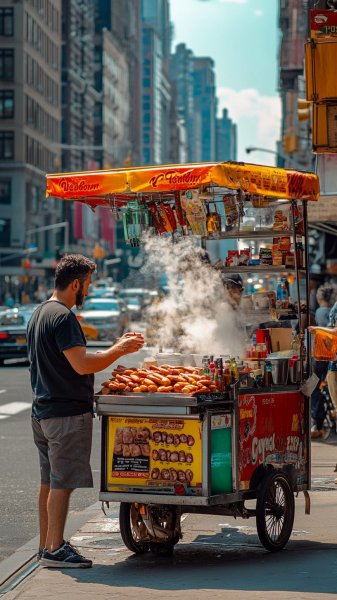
(6, 144)
(5, 191)
(6, 64)
(6, 104)
(7, 21)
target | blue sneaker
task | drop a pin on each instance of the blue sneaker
(65, 557)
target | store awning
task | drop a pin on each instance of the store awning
(101, 187)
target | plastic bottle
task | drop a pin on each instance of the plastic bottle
(279, 293)
(284, 290)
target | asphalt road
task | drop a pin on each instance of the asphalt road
(19, 471)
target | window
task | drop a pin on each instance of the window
(5, 191)
(7, 21)
(6, 144)
(6, 64)
(6, 104)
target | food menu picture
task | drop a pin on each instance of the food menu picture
(154, 452)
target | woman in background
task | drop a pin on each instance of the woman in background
(326, 297)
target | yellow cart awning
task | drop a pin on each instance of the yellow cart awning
(99, 187)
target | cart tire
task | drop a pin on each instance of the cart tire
(166, 549)
(275, 511)
(128, 529)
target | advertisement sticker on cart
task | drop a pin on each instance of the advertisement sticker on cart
(163, 454)
(272, 431)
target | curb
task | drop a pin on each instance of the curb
(11, 566)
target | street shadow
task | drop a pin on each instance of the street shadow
(228, 560)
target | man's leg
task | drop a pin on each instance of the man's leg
(43, 513)
(57, 508)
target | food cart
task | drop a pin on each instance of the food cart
(175, 438)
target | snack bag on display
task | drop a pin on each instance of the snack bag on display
(281, 220)
(168, 218)
(231, 211)
(195, 211)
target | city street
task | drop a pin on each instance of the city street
(19, 461)
(217, 555)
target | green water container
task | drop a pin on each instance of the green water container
(221, 459)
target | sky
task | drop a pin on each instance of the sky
(242, 37)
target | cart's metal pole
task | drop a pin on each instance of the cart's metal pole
(298, 290)
(307, 280)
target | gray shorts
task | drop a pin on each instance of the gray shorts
(64, 445)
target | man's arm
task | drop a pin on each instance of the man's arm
(84, 362)
(314, 328)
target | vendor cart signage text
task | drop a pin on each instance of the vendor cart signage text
(78, 186)
(176, 178)
(272, 431)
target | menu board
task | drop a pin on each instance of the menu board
(154, 452)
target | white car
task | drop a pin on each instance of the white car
(107, 315)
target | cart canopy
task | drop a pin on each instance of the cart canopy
(100, 187)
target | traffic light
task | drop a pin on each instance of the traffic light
(303, 109)
(290, 143)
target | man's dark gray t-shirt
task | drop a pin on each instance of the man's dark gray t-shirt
(58, 391)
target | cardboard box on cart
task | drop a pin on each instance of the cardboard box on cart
(280, 338)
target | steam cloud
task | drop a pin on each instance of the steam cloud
(196, 315)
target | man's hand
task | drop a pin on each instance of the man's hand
(129, 342)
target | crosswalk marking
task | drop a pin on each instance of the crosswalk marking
(3, 391)
(12, 408)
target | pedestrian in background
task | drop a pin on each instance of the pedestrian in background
(62, 379)
(326, 297)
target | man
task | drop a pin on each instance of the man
(62, 379)
(332, 366)
(234, 285)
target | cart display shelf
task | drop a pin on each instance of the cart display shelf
(261, 268)
(258, 234)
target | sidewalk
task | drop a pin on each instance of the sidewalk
(218, 555)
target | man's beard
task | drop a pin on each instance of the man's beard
(79, 297)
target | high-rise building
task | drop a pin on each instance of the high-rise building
(123, 21)
(226, 138)
(30, 123)
(205, 103)
(295, 134)
(181, 73)
(156, 87)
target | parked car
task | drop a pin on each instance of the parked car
(13, 327)
(107, 315)
(134, 307)
(103, 292)
(145, 296)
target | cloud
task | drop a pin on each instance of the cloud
(258, 119)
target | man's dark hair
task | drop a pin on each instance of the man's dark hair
(70, 267)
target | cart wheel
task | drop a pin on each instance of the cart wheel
(166, 518)
(132, 528)
(275, 511)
